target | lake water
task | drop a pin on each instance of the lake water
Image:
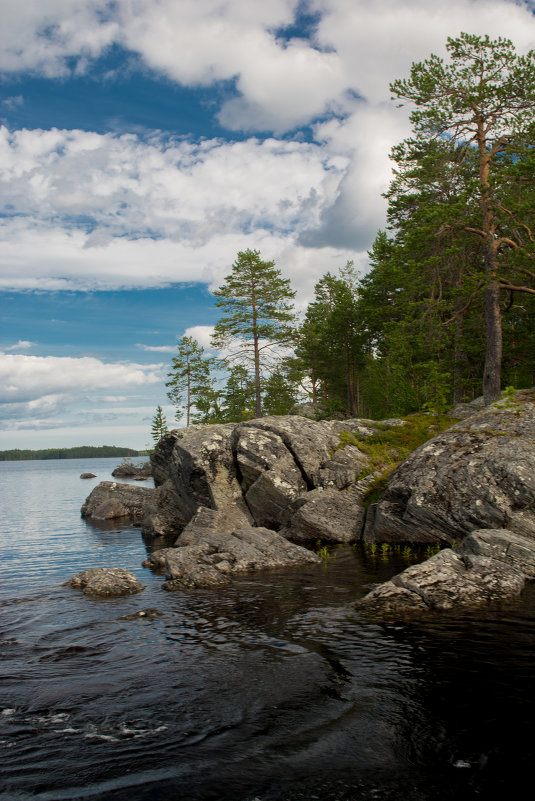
(272, 689)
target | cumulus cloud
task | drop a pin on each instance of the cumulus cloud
(120, 185)
(85, 210)
(29, 379)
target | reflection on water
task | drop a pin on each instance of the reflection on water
(273, 688)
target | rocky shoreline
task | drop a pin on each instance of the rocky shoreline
(247, 496)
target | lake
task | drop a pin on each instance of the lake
(272, 689)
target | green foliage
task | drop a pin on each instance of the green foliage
(388, 447)
(257, 314)
(473, 122)
(330, 341)
(238, 396)
(78, 452)
(280, 393)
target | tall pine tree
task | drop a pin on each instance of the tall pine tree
(257, 314)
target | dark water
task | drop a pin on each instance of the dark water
(271, 689)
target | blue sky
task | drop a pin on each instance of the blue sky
(143, 143)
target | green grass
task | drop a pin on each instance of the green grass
(389, 446)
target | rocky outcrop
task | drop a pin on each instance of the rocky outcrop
(257, 473)
(488, 566)
(209, 552)
(110, 500)
(87, 475)
(129, 470)
(480, 473)
(106, 582)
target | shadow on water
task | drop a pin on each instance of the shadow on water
(273, 688)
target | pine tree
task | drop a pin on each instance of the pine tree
(159, 425)
(189, 378)
(330, 342)
(483, 102)
(257, 314)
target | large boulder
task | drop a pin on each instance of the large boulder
(488, 566)
(111, 499)
(106, 582)
(270, 478)
(195, 467)
(328, 515)
(310, 443)
(480, 473)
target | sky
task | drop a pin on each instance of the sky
(144, 143)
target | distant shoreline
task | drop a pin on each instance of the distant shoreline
(78, 452)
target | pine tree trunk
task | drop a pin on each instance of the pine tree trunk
(258, 396)
(493, 355)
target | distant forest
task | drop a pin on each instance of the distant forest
(79, 452)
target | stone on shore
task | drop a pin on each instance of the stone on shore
(489, 565)
(206, 556)
(106, 582)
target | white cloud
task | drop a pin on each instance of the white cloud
(28, 379)
(43, 34)
(22, 344)
(157, 348)
(119, 185)
(202, 334)
(101, 211)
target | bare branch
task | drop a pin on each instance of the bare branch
(506, 285)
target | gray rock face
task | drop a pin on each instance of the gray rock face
(310, 443)
(196, 468)
(331, 515)
(478, 474)
(206, 556)
(270, 477)
(110, 500)
(489, 565)
(106, 582)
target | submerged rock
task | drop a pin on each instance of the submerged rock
(489, 565)
(87, 475)
(106, 582)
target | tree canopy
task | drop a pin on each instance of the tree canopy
(480, 106)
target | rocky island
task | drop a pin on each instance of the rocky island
(246, 496)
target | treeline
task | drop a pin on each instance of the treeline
(79, 452)
(447, 310)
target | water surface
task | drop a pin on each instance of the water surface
(273, 688)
